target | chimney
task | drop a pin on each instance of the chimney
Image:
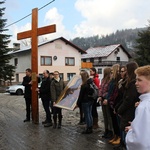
(16, 46)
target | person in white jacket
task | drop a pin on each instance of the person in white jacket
(138, 133)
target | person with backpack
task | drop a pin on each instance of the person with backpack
(93, 73)
(86, 100)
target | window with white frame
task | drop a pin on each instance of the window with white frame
(69, 61)
(70, 75)
(61, 75)
(46, 60)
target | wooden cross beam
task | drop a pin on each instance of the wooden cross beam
(33, 34)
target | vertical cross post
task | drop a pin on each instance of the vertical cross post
(33, 34)
(34, 64)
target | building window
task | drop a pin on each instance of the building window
(69, 61)
(70, 75)
(61, 75)
(15, 61)
(118, 58)
(17, 77)
(99, 70)
(83, 60)
(46, 60)
(99, 59)
(92, 60)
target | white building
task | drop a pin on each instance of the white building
(104, 56)
(55, 55)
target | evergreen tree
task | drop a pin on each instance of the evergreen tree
(143, 47)
(8, 73)
(4, 41)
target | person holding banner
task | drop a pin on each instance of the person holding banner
(57, 86)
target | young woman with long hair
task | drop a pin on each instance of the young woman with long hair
(126, 110)
(85, 101)
(105, 108)
(119, 99)
(110, 100)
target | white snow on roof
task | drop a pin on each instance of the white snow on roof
(102, 51)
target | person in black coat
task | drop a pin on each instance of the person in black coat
(27, 94)
(126, 110)
(27, 82)
(85, 101)
(44, 91)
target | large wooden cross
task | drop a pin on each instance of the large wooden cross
(33, 34)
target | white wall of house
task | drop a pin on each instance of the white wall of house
(24, 61)
(112, 57)
(61, 50)
(57, 48)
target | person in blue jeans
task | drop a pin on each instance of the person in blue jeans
(85, 101)
(87, 109)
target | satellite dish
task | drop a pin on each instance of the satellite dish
(55, 57)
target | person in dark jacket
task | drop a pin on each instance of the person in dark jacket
(93, 73)
(85, 101)
(126, 110)
(44, 91)
(51, 76)
(118, 101)
(27, 94)
(57, 86)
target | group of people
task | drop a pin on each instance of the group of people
(124, 95)
(51, 87)
(118, 96)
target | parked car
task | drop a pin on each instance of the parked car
(17, 89)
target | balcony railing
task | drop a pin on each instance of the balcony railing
(86, 65)
(109, 63)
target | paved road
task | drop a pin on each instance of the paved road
(16, 135)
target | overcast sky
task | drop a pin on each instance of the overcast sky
(77, 18)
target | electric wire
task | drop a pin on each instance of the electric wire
(29, 14)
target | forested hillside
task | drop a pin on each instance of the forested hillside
(126, 37)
